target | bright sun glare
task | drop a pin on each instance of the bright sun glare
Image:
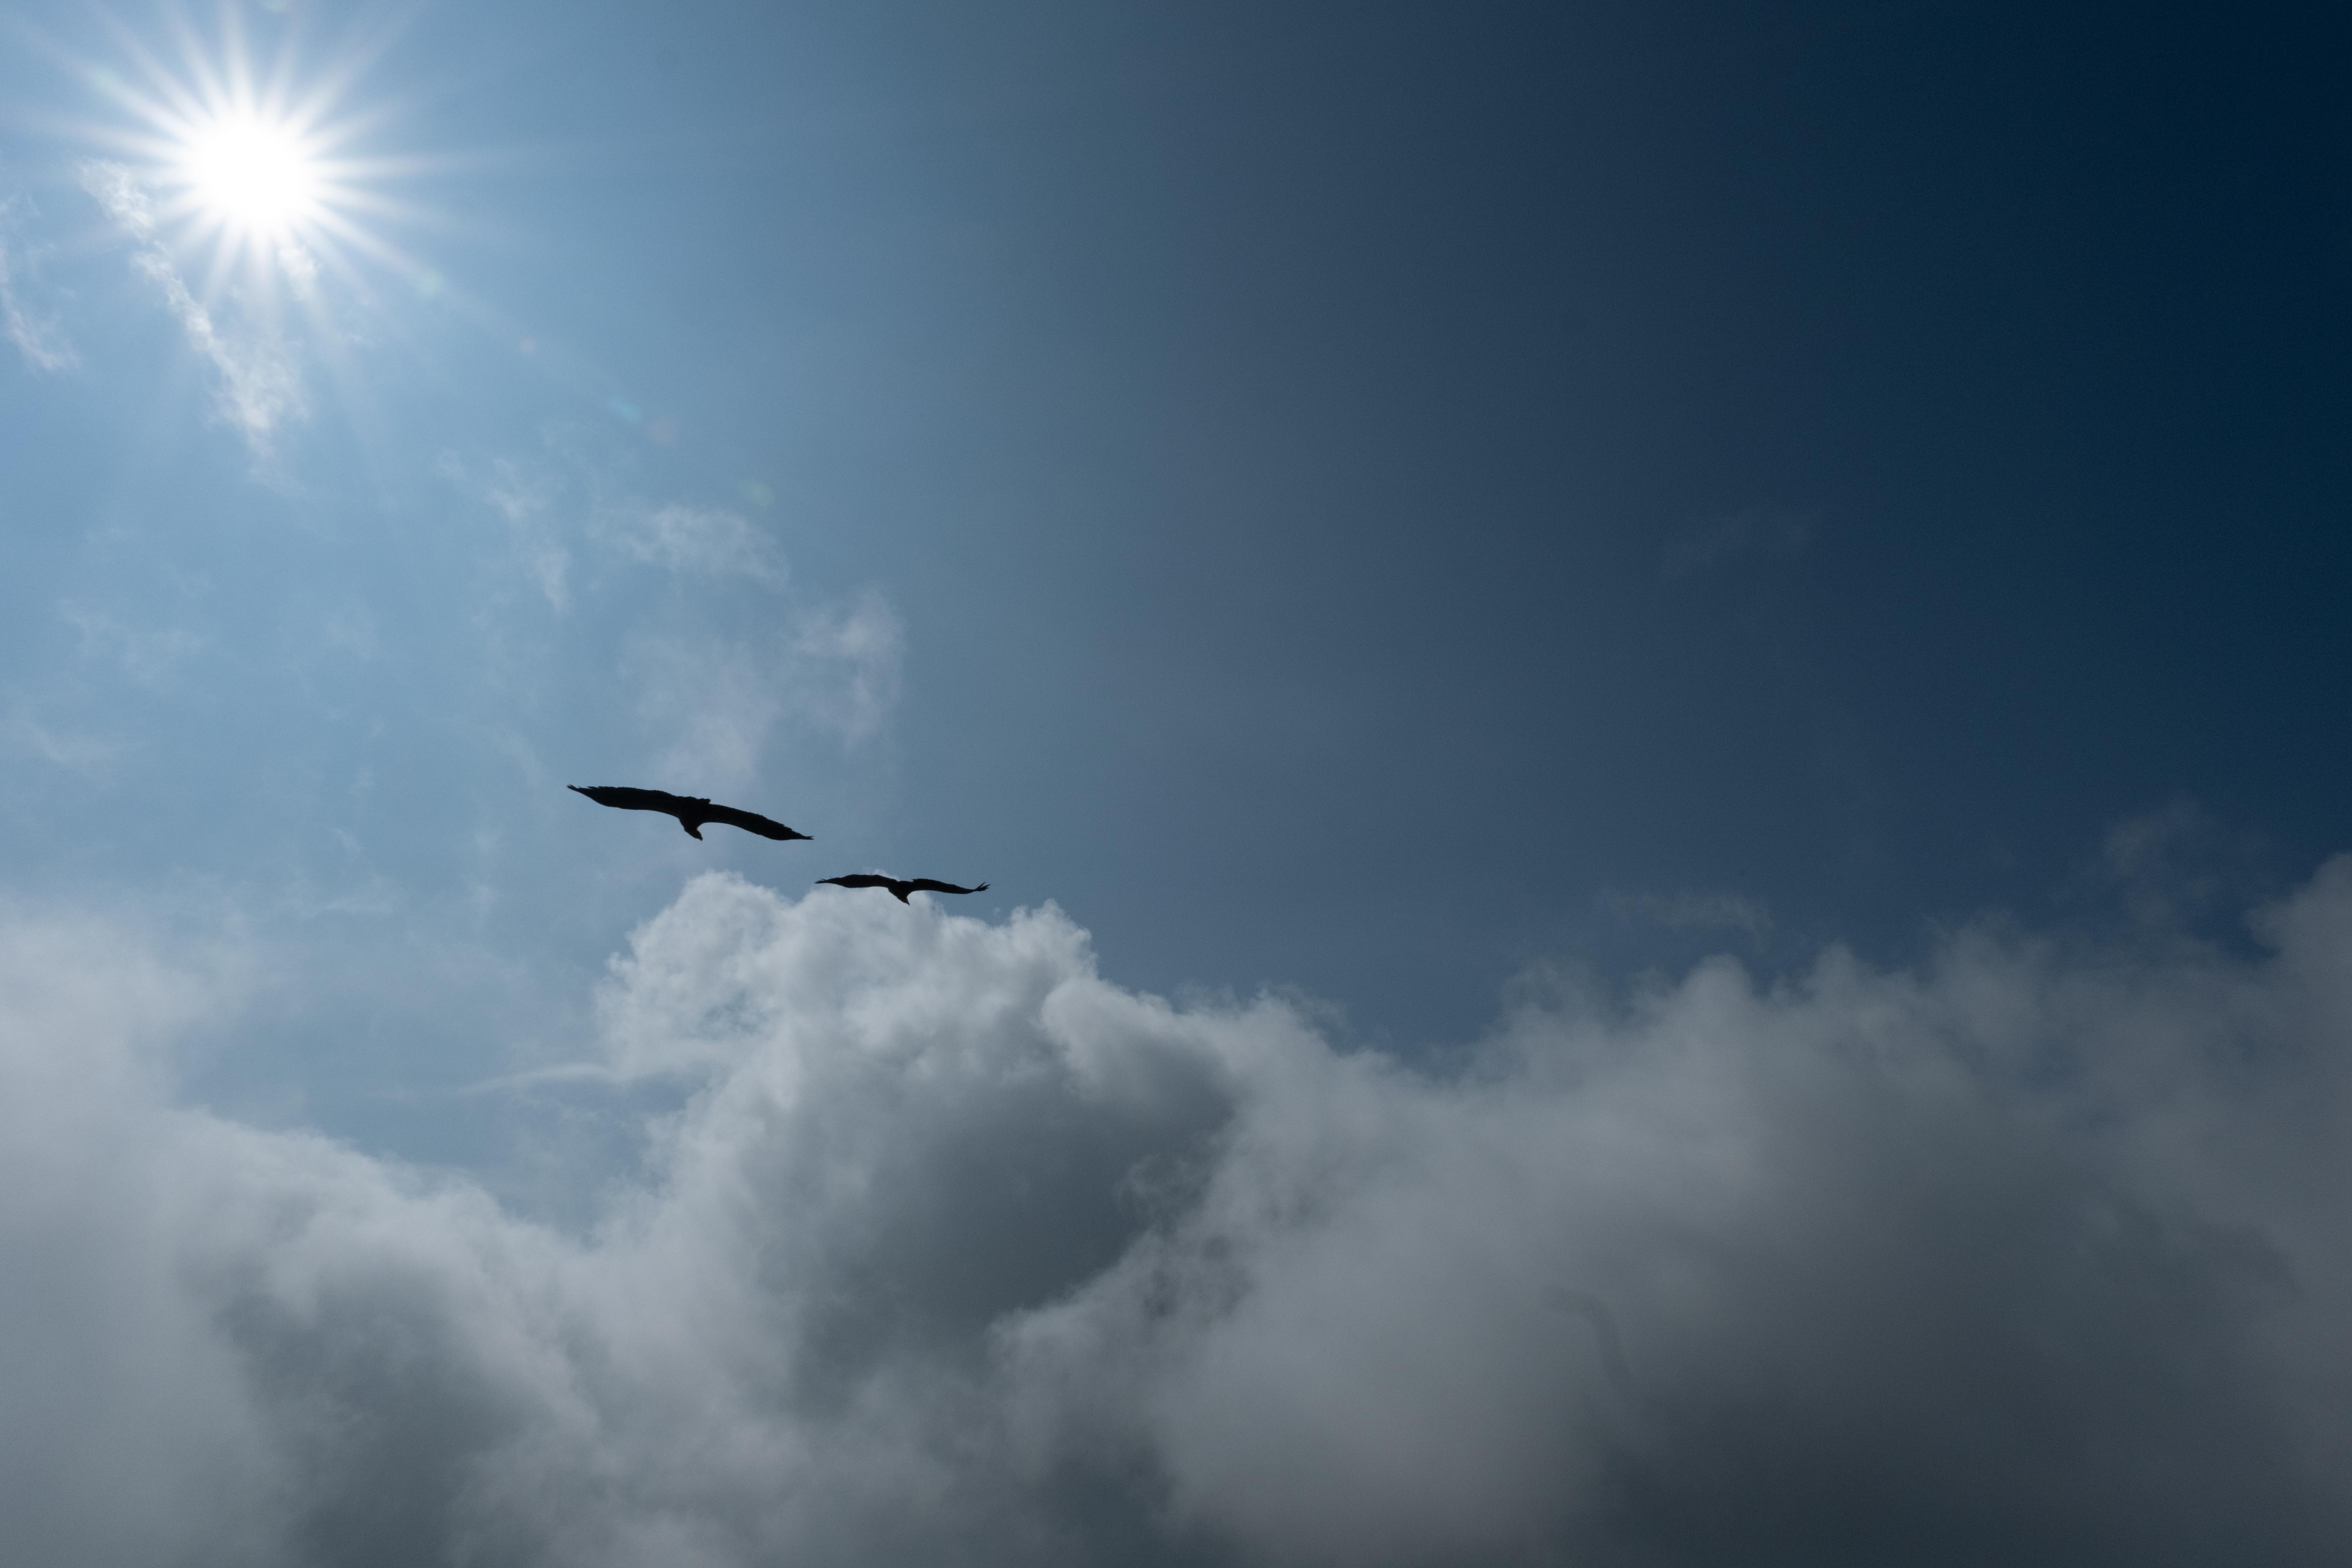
(247, 172)
(250, 165)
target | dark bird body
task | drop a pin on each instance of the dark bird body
(692, 810)
(898, 890)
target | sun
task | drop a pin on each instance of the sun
(230, 148)
(260, 196)
(243, 171)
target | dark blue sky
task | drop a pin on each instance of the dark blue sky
(1295, 441)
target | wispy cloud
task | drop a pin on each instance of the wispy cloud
(568, 501)
(713, 701)
(258, 387)
(37, 336)
(717, 703)
(524, 495)
(150, 658)
(1695, 912)
(710, 541)
(847, 660)
(82, 751)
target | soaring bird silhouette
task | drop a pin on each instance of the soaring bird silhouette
(692, 810)
(898, 890)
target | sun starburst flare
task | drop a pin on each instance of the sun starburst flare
(256, 206)
(258, 159)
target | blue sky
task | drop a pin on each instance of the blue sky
(1342, 521)
(1448, 534)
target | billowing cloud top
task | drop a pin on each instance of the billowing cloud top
(958, 1253)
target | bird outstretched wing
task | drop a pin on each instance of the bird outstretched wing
(924, 885)
(855, 879)
(620, 797)
(692, 811)
(750, 822)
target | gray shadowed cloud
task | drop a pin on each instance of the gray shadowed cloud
(958, 1252)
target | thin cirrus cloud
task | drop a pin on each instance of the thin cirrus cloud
(30, 731)
(258, 389)
(708, 704)
(552, 507)
(38, 335)
(960, 1251)
(848, 657)
(51, 721)
(524, 496)
(149, 657)
(1695, 912)
(712, 703)
(708, 699)
(681, 537)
